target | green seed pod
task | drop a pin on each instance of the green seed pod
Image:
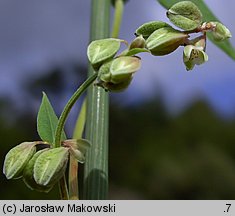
(17, 158)
(138, 42)
(165, 40)
(122, 68)
(29, 173)
(100, 51)
(118, 87)
(77, 148)
(185, 15)
(194, 55)
(50, 166)
(220, 32)
(104, 72)
(148, 28)
(117, 74)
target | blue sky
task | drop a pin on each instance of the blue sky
(39, 35)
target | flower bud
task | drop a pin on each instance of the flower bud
(29, 173)
(220, 32)
(50, 166)
(194, 55)
(138, 42)
(185, 15)
(122, 68)
(115, 87)
(148, 28)
(17, 158)
(119, 69)
(165, 40)
(117, 74)
(100, 51)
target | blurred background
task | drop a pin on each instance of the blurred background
(172, 133)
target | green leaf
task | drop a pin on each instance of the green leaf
(208, 15)
(47, 121)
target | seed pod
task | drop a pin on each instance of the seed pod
(194, 55)
(119, 69)
(165, 40)
(116, 87)
(185, 15)
(117, 74)
(122, 68)
(102, 50)
(148, 28)
(138, 42)
(50, 166)
(29, 173)
(17, 158)
(220, 32)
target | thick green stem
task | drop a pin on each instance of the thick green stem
(119, 5)
(96, 165)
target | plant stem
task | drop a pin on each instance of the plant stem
(73, 163)
(96, 165)
(62, 183)
(119, 6)
(69, 106)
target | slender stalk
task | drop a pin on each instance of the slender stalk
(68, 107)
(62, 183)
(96, 166)
(119, 6)
(73, 163)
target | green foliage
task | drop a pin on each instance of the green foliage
(226, 46)
(47, 121)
